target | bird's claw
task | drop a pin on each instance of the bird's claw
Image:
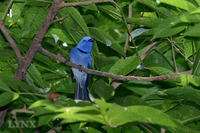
(80, 67)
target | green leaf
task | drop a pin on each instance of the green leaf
(45, 119)
(155, 6)
(76, 16)
(4, 86)
(77, 114)
(183, 4)
(169, 27)
(188, 49)
(105, 38)
(187, 93)
(103, 90)
(123, 67)
(146, 21)
(36, 76)
(133, 100)
(61, 35)
(7, 97)
(196, 69)
(193, 31)
(160, 70)
(32, 21)
(116, 115)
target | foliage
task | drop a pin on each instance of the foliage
(135, 106)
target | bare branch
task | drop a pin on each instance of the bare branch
(83, 3)
(104, 74)
(7, 8)
(148, 50)
(173, 55)
(59, 19)
(23, 66)
(128, 26)
(10, 40)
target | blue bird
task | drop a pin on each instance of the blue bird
(80, 55)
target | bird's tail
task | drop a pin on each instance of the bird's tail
(81, 92)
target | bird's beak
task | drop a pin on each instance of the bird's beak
(91, 40)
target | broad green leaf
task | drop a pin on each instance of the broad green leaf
(193, 31)
(36, 76)
(39, 104)
(33, 18)
(146, 21)
(168, 27)
(160, 70)
(185, 80)
(77, 114)
(76, 16)
(187, 93)
(62, 36)
(155, 6)
(105, 38)
(196, 69)
(103, 90)
(183, 4)
(45, 119)
(64, 85)
(4, 86)
(123, 67)
(7, 97)
(140, 87)
(137, 32)
(6, 54)
(111, 11)
(133, 100)
(116, 115)
(188, 49)
(198, 1)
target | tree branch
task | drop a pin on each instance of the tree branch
(104, 74)
(10, 40)
(63, 4)
(23, 66)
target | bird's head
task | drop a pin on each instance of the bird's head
(85, 44)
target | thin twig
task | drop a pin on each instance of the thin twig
(177, 49)
(128, 26)
(163, 57)
(59, 19)
(149, 131)
(7, 8)
(173, 55)
(26, 80)
(190, 119)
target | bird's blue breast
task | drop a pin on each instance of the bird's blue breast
(79, 58)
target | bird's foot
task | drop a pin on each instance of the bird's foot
(80, 67)
(66, 61)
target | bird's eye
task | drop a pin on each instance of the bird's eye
(84, 41)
